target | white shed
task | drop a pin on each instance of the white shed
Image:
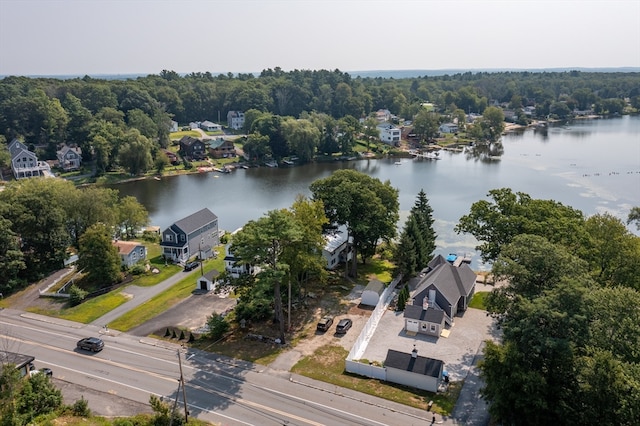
(413, 370)
(208, 281)
(372, 292)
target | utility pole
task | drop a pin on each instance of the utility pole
(184, 390)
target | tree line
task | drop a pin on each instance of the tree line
(125, 123)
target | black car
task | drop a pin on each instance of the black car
(343, 326)
(92, 344)
(191, 265)
(325, 323)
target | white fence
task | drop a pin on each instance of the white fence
(369, 328)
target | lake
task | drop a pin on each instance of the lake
(591, 165)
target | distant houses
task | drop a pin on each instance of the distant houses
(389, 134)
(235, 120)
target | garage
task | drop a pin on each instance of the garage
(412, 325)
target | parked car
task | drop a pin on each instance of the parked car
(92, 344)
(191, 265)
(325, 323)
(343, 325)
(45, 371)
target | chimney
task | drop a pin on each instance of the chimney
(414, 352)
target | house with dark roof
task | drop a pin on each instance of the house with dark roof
(221, 148)
(22, 363)
(194, 235)
(192, 148)
(428, 321)
(443, 286)
(412, 370)
(371, 293)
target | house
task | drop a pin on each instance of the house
(192, 148)
(130, 252)
(409, 369)
(336, 249)
(193, 235)
(235, 120)
(232, 266)
(69, 157)
(371, 293)
(389, 134)
(221, 148)
(428, 321)
(194, 125)
(208, 281)
(22, 363)
(172, 157)
(444, 287)
(448, 128)
(208, 126)
(173, 127)
(383, 115)
(24, 163)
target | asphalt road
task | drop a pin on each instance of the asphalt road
(220, 390)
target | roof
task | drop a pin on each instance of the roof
(212, 275)
(188, 140)
(375, 285)
(216, 143)
(334, 241)
(451, 281)
(126, 247)
(19, 360)
(427, 315)
(419, 365)
(196, 221)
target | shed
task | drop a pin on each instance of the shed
(412, 370)
(22, 363)
(208, 281)
(372, 292)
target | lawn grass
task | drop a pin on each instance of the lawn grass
(327, 365)
(478, 300)
(380, 268)
(88, 311)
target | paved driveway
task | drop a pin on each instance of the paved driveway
(456, 351)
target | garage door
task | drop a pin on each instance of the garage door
(412, 325)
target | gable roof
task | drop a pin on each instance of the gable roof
(419, 365)
(375, 285)
(451, 281)
(196, 220)
(126, 247)
(428, 315)
(216, 143)
(188, 140)
(212, 275)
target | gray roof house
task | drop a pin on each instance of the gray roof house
(412, 370)
(444, 287)
(24, 163)
(428, 321)
(193, 235)
(69, 157)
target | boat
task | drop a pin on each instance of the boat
(288, 163)
(271, 163)
(398, 163)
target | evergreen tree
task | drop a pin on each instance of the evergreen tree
(424, 216)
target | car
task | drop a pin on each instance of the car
(92, 344)
(191, 265)
(46, 371)
(343, 325)
(325, 323)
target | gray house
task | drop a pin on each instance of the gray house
(24, 163)
(69, 157)
(443, 286)
(196, 234)
(130, 252)
(412, 370)
(428, 321)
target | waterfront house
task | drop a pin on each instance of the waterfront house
(221, 148)
(208, 281)
(389, 134)
(448, 128)
(192, 148)
(412, 370)
(196, 234)
(69, 157)
(443, 286)
(371, 293)
(235, 120)
(24, 163)
(336, 249)
(383, 115)
(233, 267)
(131, 252)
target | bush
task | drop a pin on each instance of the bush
(81, 407)
(76, 295)
(138, 269)
(218, 326)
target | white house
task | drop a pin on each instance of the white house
(383, 115)
(412, 370)
(173, 127)
(372, 292)
(232, 266)
(336, 249)
(448, 128)
(235, 120)
(24, 163)
(208, 126)
(389, 134)
(208, 281)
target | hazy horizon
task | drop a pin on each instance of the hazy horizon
(140, 37)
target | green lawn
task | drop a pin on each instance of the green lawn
(477, 301)
(88, 311)
(327, 365)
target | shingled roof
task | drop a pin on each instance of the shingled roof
(419, 365)
(195, 221)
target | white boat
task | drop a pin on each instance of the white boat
(271, 163)
(398, 163)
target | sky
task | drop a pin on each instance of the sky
(97, 37)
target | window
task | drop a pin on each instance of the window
(433, 328)
(424, 326)
(168, 238)
(182, 238)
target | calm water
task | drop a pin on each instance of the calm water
(591, 165)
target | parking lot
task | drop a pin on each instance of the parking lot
(456, 351)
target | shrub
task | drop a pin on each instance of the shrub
(81, 407)
(76, 295)
(138, 269)
(217, 326)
